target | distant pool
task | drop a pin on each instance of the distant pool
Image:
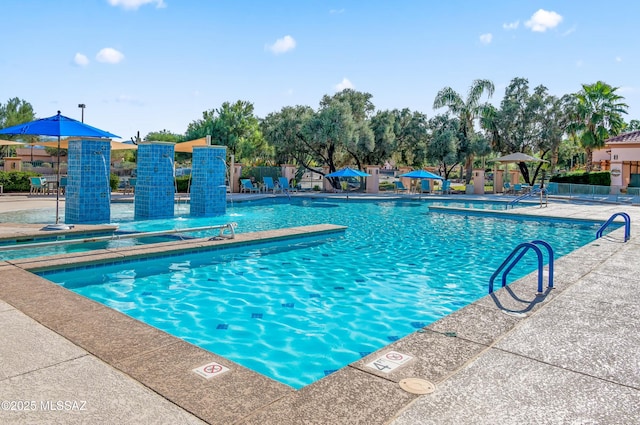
(301, 310)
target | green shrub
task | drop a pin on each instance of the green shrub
(602, 178)
(386, 186)
(114, 182)
(182, 183)
(16, 181)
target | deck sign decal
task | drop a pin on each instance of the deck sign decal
(211, 370)
(389, 361)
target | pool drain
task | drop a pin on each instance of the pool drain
(417, 386)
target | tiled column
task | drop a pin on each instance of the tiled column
(208, 188)
(88, 193)
(155, 187)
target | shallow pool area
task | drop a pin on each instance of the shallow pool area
(298, 311)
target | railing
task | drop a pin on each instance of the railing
(588, 192)
(521, 250)
(230, 227)
(627, 225)
(544, 199)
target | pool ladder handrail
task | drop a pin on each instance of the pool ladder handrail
(627, 225)
(544, 199)
(523, 248)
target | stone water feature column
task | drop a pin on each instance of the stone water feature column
(373, 181)
(208, 174)
(478, 181)
(155, 186)
(88, 192)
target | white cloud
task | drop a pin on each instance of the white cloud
(80, 59)
(109, 55)
(486, 38)
(618, 59)
(569, 31)
(543, 20)
(579, 63)
(336, 11)
(289, 92)
(511, 25)
(282, 45)
(135, 4)
(344, 84)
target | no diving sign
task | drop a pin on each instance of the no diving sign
(389, 361)
(211, 370)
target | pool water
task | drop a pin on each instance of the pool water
(297, 311)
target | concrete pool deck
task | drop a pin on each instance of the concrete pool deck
(568, 356)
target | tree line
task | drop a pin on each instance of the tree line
(346, 129)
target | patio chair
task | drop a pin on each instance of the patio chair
(62, 186)
(425, 186)
(399, 187)
(284, 185)
(247, 186)
(517, 189)
(507, 188)
(269, 185)
(38, 185)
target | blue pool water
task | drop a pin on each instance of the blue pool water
(301, 310)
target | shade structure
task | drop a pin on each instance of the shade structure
(517, 157)
(348, 172)
(57, 126)
(421, 174)
(9, 143)
(187, 147)
(345, 173)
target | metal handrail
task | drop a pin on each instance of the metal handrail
(229, 226)
(542, 192)
(521, 250)
(627, 225)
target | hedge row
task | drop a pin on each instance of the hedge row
(602, 178)
(16, 181)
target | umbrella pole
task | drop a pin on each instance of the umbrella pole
(58, 184)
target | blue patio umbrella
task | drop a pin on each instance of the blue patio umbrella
(421, 174)
(57, 126)
(347, 172)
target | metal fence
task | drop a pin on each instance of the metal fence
(588, 192)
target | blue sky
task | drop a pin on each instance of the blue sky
(149, 65)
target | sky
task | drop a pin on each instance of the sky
(153, 65)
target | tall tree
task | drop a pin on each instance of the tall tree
(361, 141)
(15, 111)
(467, 111)
(443, 147)
(233, 125)
(597, 116)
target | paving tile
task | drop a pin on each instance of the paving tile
(220, 400)
(27, 346)
(4, 306)
(348, 397)
(434, 356)
(42, 300)
(106, 396)
(501, 388)
(580, 340)
(476, 323)
(110, 335)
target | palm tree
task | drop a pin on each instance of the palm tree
(467, 112)
(597, 116)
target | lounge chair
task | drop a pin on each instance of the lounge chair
(425, 186)
(517, 189)
(445, 187)
(62, 185)
(399, 187)
(269, 185)
(247, 186)
(507, 188)
(284, 184)
(38, 185)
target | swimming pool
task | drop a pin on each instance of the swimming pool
(301, 310)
